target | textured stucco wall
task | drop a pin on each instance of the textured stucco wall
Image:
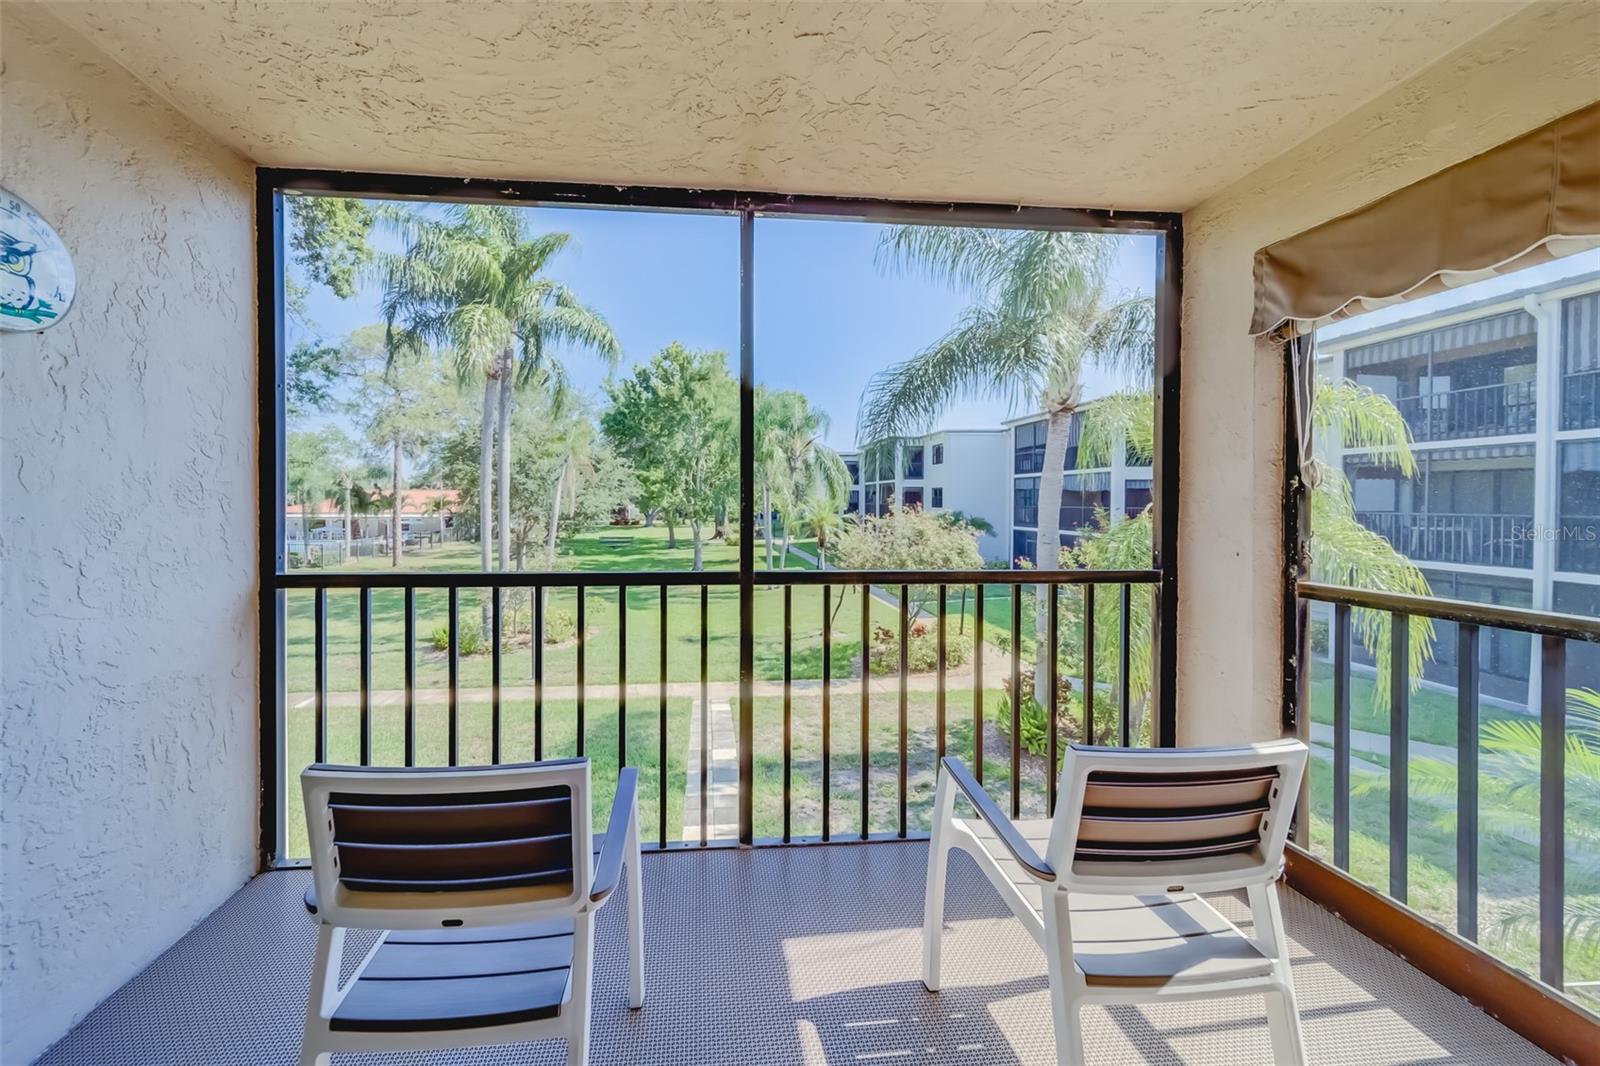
(1536, 66)
(127, 493)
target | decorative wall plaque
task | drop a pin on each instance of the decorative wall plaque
(37, 280)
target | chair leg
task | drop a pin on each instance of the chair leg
(1066, 1010)
(1283, 1018)
(635, 916)
(1283, 1024)
(582, 982)
(933, 898)
(330, 947)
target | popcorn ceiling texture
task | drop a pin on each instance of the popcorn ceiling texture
(1536, 66)
(128, 544)
(1131, 105)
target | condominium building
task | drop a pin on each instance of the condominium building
(1120, 489)
(1502, 396)
(993, 475)
(949, 470)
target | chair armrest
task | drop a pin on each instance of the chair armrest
(996, 819)
(608, 870)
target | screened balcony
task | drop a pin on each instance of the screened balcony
(216, 571)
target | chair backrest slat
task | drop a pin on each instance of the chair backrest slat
(1202, 818)
(478, 845)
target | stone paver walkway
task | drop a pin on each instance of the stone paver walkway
(722, 774)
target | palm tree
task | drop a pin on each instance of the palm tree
(1509, 779)
(1343, 551)
(1042, 312)
(792, 462)
(472, 281)
(818, 517)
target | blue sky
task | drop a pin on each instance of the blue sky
(826, 318)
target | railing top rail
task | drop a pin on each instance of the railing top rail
(473, 579)
(358, 579)
(957, 577)
(1572, 627)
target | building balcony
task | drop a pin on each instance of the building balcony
(1500, 410)
(1468, 539)
(1580, 400)
(785, 956)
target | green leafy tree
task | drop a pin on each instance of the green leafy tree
(313, 463)
(474, 282)
(401, 403)
(676, 420)
(328, 238)
(1108, 545)
(908, 539)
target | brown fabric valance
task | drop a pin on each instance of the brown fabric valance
(1532, 198)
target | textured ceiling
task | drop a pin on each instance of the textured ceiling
(1096, 104)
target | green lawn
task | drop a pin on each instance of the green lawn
(647, 551)
(1433, 713)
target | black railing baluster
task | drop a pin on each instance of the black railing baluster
(788, 701)
(411, 676)
(365, 670)
(1124, 672)
(495, 596)
(1399, 752)
(622, 675)
(938, 696)
(538, 673)
(905, 638)
(705, 708)
(582, 663)
(1016, 701)
(453, 652)
(661, 730)
(1090, 736)
(319, 623)
(1466, 780)
(1052, 689)
(1341, 736)
(827, 705)
(977, 682)
(1552, 810)
(866, 705)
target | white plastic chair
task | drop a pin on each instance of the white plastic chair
(485, 882)
(1113, 900)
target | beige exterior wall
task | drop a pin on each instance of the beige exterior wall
(1536, 66)
(128, 669)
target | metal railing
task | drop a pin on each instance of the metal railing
(1580, 400)
(1480, 411)
(1553, 631)
(1472, 539)
(877, 591)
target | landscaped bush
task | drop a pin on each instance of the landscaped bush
(469, 640)
(560, 626)
(1319, 636)
(1034, 722)
(922, 649)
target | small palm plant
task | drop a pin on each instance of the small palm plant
(1508, 800)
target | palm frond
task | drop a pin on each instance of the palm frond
(1364, 420)
(985, 356)
(1128, 416)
